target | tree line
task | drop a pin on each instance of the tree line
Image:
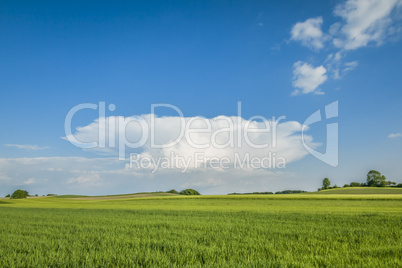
(374, 179)
(279, 192)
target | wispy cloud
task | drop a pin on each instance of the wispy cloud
(88, 178)
(27, 147)
(394, 135)
(364, 22)
(96, 176)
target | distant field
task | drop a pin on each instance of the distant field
(300, 230)
(362, 190)
(121, 196)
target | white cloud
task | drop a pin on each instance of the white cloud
(88, 179)
(27, 147)
(309, 33)
(29, 181)
(221, 137)
(307, 78)
(365, 22)
(395, 135)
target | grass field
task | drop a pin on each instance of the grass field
(300, 230)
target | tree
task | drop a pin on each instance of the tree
(8, 195)
(189, 192)
(355, 184)
(326, 183)
(375, 179)
(19, 194)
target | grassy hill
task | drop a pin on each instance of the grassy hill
(362, 190)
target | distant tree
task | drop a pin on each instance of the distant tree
(8, 195)
(346, 185)
(355, 184)
(36, 195)
(375, 179)
(189, 192)
(291, 192)
(19, 194)
(173, 191)
(326, 183)
(399, 185)
(390, 183)
(335, 186)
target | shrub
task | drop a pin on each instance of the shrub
(189, 192)
(346, 185)
(8, 195)
(19, 194)
(173, 191)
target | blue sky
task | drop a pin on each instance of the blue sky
(277, 58)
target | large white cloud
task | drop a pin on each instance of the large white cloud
(197, 140)
(365, 22)
(308, 78)
(309, 33)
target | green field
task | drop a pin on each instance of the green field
(298, 230)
